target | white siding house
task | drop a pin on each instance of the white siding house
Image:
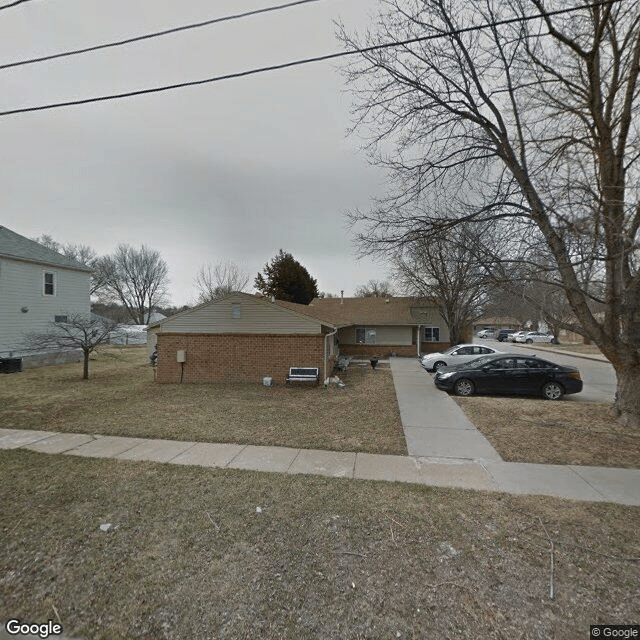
(37, 286)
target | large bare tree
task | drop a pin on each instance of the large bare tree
(214, 280)
(529, 121)
(444, 267)
(136, 278)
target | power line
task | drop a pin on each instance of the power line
(156, 34)
(13, 4)
(296, 63)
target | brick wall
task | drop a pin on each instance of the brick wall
(236, 357)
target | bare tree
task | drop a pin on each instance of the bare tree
(445, 268)
(76, 331)
(374, 289)
(215, 280)
(136, 278)
(528, 122)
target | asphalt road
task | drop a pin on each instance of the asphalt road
(599, 378)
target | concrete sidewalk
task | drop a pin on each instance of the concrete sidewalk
(434, 425)
(578, 483)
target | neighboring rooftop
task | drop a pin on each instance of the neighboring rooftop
(389, 310)
(17, 247)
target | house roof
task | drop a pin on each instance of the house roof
(13, 245)
(343, 312)
(369, 311)
(296, 309)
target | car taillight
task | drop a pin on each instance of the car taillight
(575, 374)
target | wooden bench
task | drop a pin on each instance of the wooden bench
(303, 374)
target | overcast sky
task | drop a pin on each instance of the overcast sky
(232, 170)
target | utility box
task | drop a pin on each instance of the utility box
(10, 365)
(181, 356)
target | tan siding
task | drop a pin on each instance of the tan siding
(256, 316)
(385, 335)
(393, 335)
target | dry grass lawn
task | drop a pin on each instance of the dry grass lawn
(121, 399)
(190, 557)
(536, 430)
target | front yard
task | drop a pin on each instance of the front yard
(546, 432)
(120, 398)
(190, 556)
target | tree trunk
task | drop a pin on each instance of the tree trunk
(85, 374)
(627, 400)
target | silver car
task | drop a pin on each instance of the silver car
(456, 355)
(534, 336)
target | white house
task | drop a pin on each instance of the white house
(37, 286)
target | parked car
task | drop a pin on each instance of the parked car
(455, 355)
(534, 336)
(513, 337)
(502, 334)
(510, 374)
(486, 333)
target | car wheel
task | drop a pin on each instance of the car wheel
(437, 365)
(529, 341)
(464, 387)
(552, 391)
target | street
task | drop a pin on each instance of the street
(599, 377)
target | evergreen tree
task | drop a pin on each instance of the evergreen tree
(286, 279)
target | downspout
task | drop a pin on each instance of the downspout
(328, 335)
(418, 340)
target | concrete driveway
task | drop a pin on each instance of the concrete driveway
(434, 425)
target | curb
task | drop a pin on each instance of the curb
(567, 353)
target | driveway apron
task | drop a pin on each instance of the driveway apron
(434, 425)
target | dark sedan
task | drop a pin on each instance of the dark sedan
(511, 374)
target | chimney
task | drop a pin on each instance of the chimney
(341, 296)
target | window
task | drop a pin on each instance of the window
(365, 335)
(235, 309)
(49, 284)
(432, 334)
(61, 319)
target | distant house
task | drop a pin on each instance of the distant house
(405, 326)
(241, 337)
(37, 286)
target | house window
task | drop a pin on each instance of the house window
(49, 284)
(235, 309)
(432, 334)
(61, 319)
(365, 335)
